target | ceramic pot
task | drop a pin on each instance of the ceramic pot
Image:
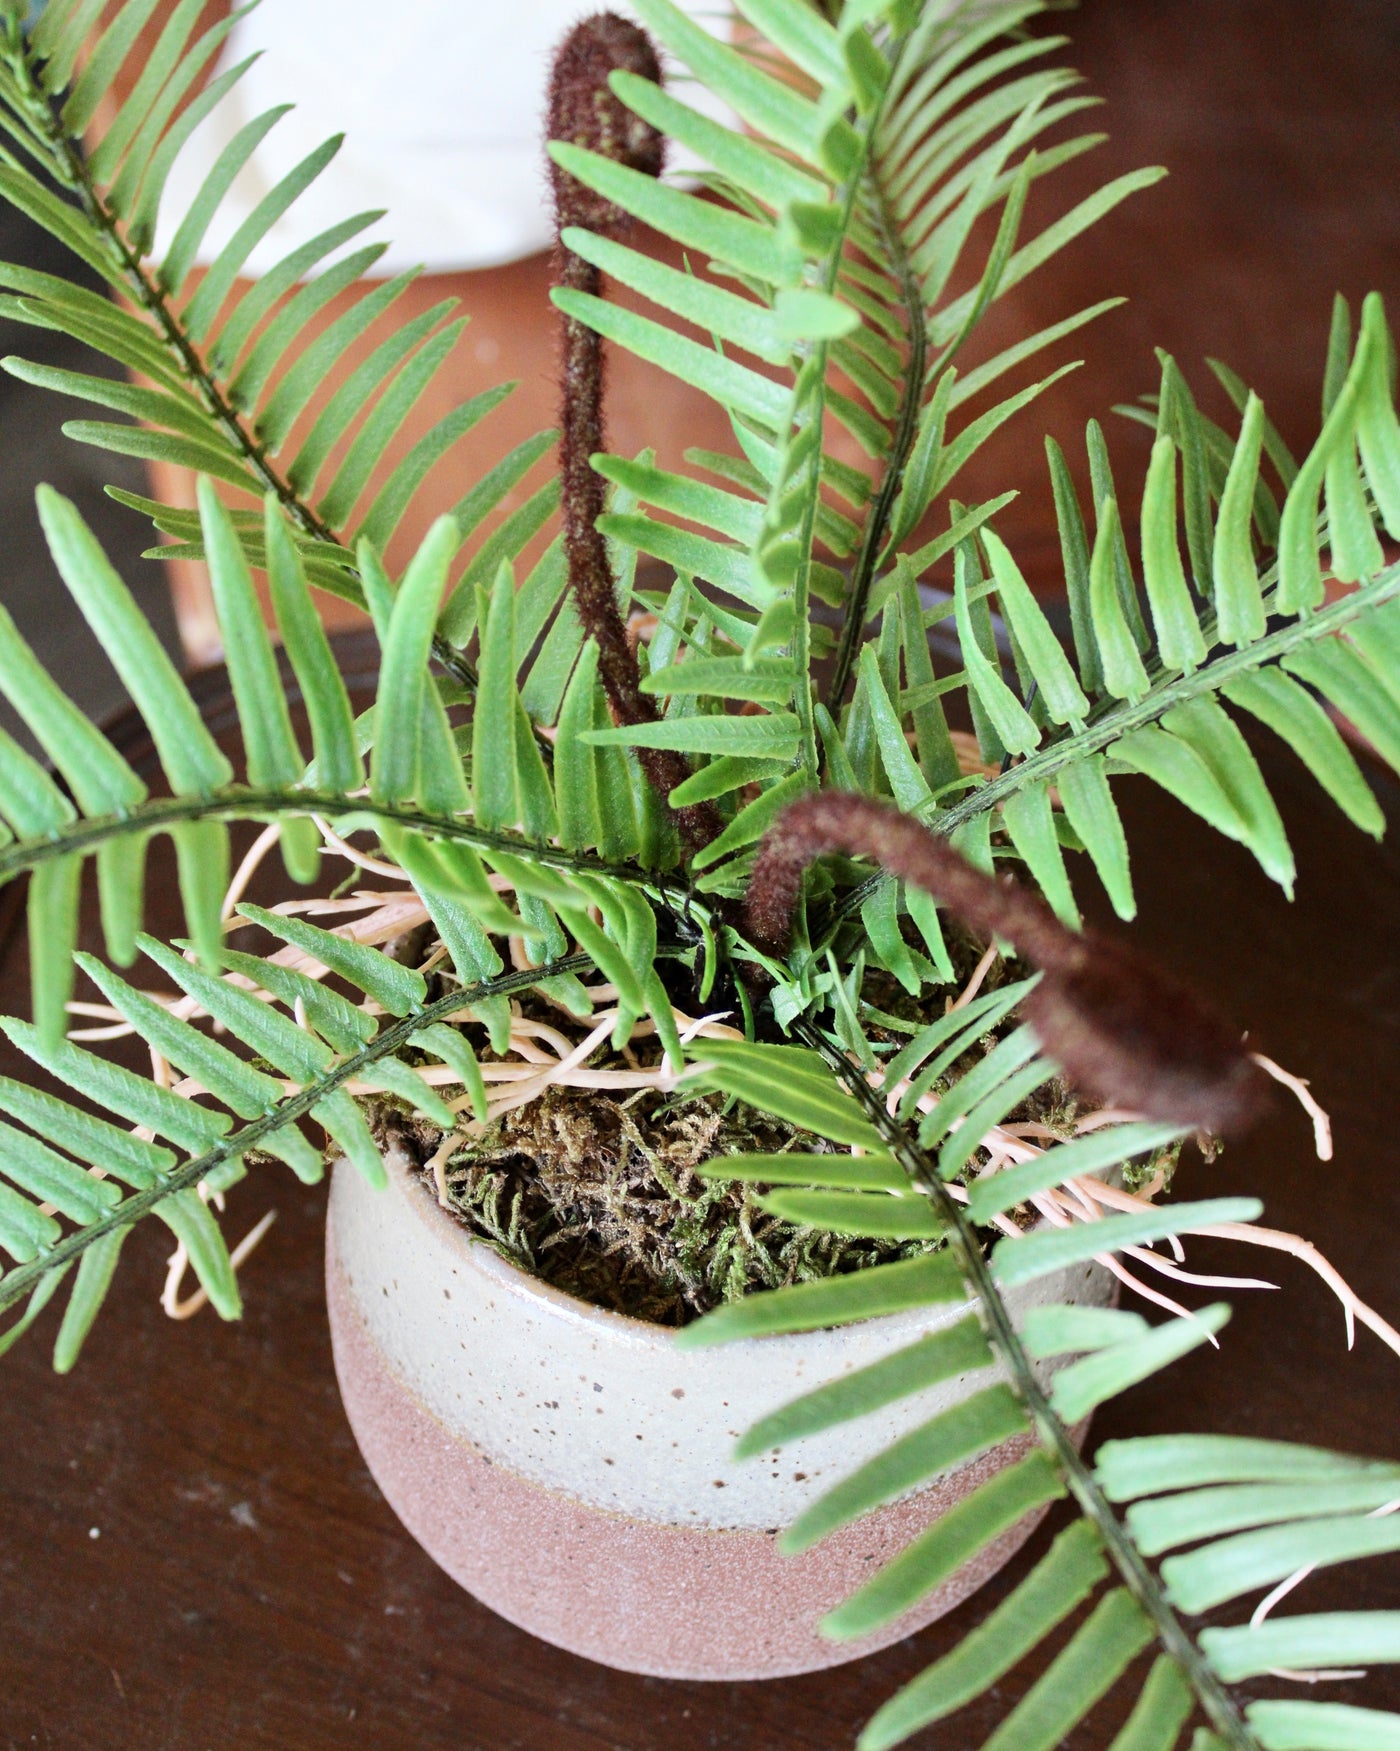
(572, 1470)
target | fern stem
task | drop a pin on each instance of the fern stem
(803, 703)
(1122, 717)
(906, 433)
(243, 802)
(69, 169)
(1121, 1028)
(1139, 1579)
(879, 516)
(297, 1106)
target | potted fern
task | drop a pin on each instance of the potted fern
(684, 863)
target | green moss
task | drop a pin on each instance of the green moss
(599, 1196)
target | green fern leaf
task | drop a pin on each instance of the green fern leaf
(1114, 1633)
(956, 1350)
(938, 1553)
(1060, 1581)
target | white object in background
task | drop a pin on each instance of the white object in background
(442, 106)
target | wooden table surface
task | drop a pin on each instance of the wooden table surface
(193, 1556)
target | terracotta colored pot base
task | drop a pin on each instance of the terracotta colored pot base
(669, 1601)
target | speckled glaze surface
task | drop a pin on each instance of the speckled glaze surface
(572, 1470)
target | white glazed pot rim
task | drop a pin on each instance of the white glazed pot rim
(478, 1255)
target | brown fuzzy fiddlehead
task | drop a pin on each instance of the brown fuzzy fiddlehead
(1121, 1028)
(584, 112)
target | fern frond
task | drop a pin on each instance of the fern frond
(843, 216)
(1264, 1509)
(440, 819)
(1254, 637)
(317, 1063)
(236, 372)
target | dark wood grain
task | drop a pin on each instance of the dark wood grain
(247, 1587)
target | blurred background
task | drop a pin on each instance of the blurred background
(1279, 122)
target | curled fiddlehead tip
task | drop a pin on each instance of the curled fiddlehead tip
(584, 112)
(1129, 1032)
(1121, 1028)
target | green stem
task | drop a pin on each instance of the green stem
(1139, 1579)
(297, 1106)
(906, 433)
(879, 516)
(244, 802)
(1121, 718)
(801, 598)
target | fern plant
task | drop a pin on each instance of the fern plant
(639, 817)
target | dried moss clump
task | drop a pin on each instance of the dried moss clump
(597, 1192)
(598, 1195)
